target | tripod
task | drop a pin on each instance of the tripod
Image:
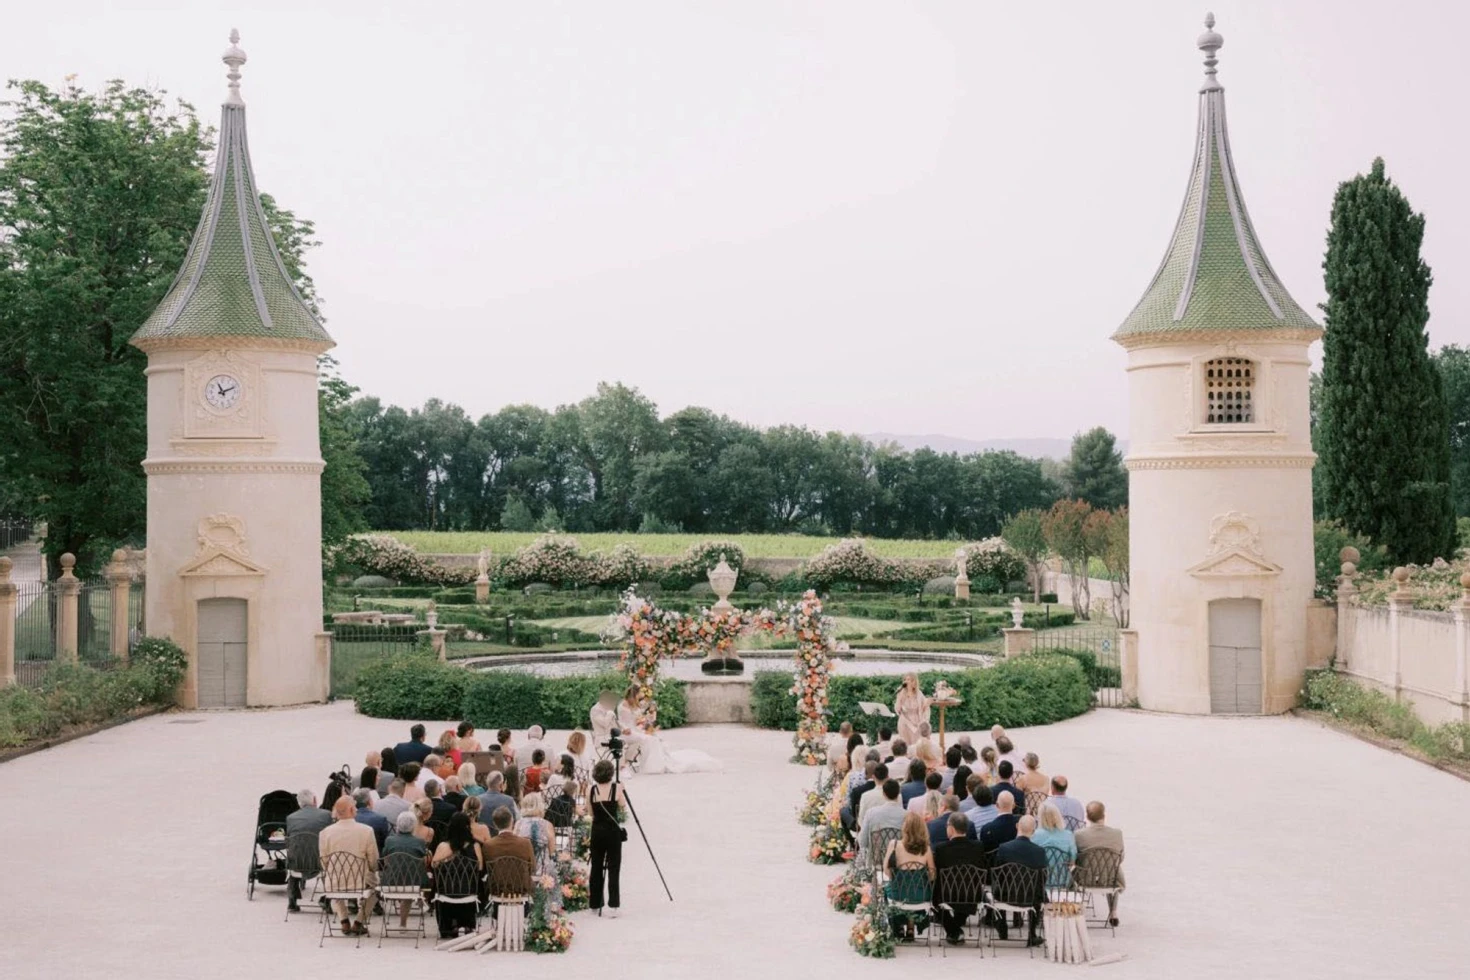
(615, 747)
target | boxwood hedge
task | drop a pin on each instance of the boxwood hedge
(1036, 689)
(415, 686)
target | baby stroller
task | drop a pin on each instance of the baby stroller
(268, 852)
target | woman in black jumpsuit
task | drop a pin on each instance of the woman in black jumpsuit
(607, 837)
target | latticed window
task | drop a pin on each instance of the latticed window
(1229, 386)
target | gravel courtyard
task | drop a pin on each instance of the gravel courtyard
(1257, 847)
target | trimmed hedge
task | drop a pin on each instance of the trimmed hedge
(1098, 675)
(1036, 689)
(76, 694)
(419, 687)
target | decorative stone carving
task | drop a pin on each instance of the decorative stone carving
(1235, 549)
(243, 417)
(223, 549)
(722, 580)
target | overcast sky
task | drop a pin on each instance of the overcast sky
(855, 215)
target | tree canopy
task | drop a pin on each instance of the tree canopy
(1382, 434)
(1094, 471)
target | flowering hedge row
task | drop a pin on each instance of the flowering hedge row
(1434, 586)
(383, 554)
(851, 560)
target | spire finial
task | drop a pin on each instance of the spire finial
(234, 57)
(1209, 42)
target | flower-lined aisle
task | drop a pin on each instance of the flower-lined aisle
(851, 892)
(651, 634)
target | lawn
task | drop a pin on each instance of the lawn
(754, 545)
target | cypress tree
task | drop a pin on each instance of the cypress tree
(1383, 435)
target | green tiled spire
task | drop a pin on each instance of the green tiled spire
(232, 283)
(1215, 276)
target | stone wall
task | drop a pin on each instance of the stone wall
(1414, 656)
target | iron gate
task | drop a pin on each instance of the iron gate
(1097, 649)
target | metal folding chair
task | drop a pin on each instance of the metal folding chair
(1016, 890)
(910, 891)
(402, 881)
(1097, 873)
(961, 888)
(303, 865)
(345, 878)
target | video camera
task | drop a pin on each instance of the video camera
(614, 743)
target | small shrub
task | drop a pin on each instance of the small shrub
(411, 686)
(372, 582)
(757, 588)
(940, 585)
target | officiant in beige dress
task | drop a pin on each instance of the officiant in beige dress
(912, 707)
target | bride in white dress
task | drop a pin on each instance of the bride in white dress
(649, 754)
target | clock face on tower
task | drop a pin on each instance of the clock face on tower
(222, 392)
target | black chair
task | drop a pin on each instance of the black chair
(1099, 873)
(1020, 891)
(303, 864)
(910, 893)
(960, 892)
(402, 880)
(457, 895)
(877, 853)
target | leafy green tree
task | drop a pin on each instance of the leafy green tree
(345, 488)
(99, 195)
(1383, 437)
(1454, 374)
(1107, 538)
(1067, 534)
(516, 516)
(1094, 470)
(1027, 538)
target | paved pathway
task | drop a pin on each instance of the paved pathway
(1256, 848)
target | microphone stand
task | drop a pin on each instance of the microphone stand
(615, 746)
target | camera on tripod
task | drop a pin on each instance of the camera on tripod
(614, 743)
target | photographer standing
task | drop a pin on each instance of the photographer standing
(607, 837)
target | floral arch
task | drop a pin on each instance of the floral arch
(651, 634)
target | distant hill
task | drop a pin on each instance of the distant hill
(1040, 448)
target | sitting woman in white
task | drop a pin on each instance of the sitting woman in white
(647, 752)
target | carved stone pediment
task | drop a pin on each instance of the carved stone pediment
(1233, 564)
(219, 563)
(1235, 549)
(222, 549)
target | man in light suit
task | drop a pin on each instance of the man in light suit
(1098, 836)
(347, 836)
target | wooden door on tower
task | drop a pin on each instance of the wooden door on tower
(1235, 656)
(222, 653)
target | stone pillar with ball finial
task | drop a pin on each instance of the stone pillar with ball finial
(1461, 610)
(1347, 592)
(68, 587)
(7, 623)
(1400, 600)
(120, 581)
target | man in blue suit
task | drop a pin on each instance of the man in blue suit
(414, 750)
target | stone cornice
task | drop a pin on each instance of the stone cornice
(151, 345)
(1176, 338)
(166, 467)
(1218, 461)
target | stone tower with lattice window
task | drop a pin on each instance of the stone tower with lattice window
(234, 460)
(1220, 460)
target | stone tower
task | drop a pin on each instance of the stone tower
(1220, 461)
(234, 462)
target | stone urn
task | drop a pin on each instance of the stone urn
(722, 580)
(1017, 613)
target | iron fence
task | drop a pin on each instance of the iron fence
(355, 645)
(14, 531)
(35, 631)
(1096, 648)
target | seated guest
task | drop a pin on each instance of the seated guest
(1052, 834)
(448, 748)
(467, 784)
(579, 747)
(507, 843)
(938, 825)
(409, 772)
(332, 794)
(953, 758)
(423, 812)
(454, 918)
(561, 804)
(1021, 850)
(403, 841)
(1031, 779)
(968, 755)
(931, 801)
(1002, 829)
(839, 765)
(912, 847)
(392, 803)
(308, 818)
(534, 826)
(365, 815)
(988, 762)
(502, 738)
(860, 772)
(889, 813)
(1097, 835)
(535, 739)
(982, 807)
(913, 786)
(478, 830)
(1007, 785)
(536, 772)
(440, 808)
(855, 795)
(415, 749)
(566, 772)
(1070, 807)
(925, 749)
(899, 761)
(837, 742)
(495, 797)
(960, 785)
(960, 848)
(465, 732)
(369, 780)
(884, 746)
(347, 836)
(454, 793)
(874, 796)
(513, 787)
(387, 771)
(1005, 751)
(438, 767)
